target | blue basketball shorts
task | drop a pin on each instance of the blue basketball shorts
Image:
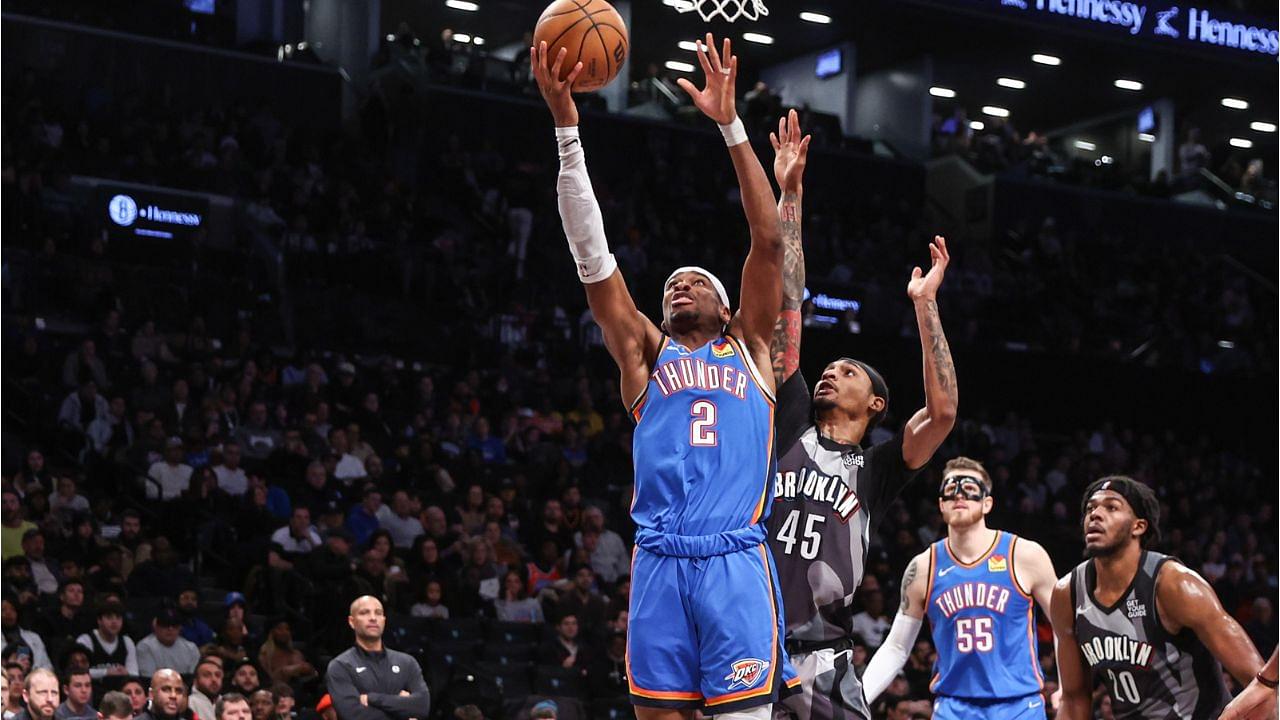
(1029, 707)
(706, 632)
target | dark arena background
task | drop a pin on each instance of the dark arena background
(289, 319)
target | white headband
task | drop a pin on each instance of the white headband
(724, 296)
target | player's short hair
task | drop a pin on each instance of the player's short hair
(966, 463)
(1141, 498)
(226, 699)
(115, 704)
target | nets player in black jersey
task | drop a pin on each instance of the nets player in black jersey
(830, 490)
(1147, 626)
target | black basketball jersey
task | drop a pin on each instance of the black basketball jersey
(827, 499)
(1150, 674)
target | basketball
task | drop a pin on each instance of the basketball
(592, 32)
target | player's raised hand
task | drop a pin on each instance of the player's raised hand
(556, 92)
(790, 153)
(924, 286)
(716, 100)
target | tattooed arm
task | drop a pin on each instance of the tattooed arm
(893, 652)
(926, 430)
(790, 154)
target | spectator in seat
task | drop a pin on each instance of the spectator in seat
(231, 643)
(34, 474)
(363, 518)
(432, 603)
(167, 696)
(285, 702)
(151, 345)
(166, 648)
(564, 649)
(112, 434)
(506, 552)
(231, 477)
(179, 414)
(13, 525)
(81, 408)
(67, 502)
(607, 675)
(84, 364)
(280, 660)
(257, 439)
(299, 537)
(115, 705)
(610, 558)
(584, 602)
(262, 705)
(149, 396)
(14, 684)
(137, 694)
(172, 476)
(206, 687)
(61, 624)
(872, 624)
(45, 571)
(348, 467)
(194, 628)
(551, 527)
(245, 679)
(400, 521)
(1193, 156)
(233, 706)
(40, 695)
(78, 690)
(111, 653)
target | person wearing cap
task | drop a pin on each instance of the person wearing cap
(169, 477)
(979, 587)
(110, 651)
(703, 443)
(832, 485)
(370, 681)
(544, 710)
(165, 647)
(1145, 625)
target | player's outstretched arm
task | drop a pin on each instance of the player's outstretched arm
(790, 154)
(893, 652)
(1258, 700)
(761, 294)
(1073, 676)
(926, 430)
(632, 339)
(1186, 600)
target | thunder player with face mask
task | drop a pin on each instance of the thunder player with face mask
(831, 491)
(1145, 625)
(705, 629)
(979, 587)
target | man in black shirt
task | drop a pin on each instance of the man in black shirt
(167, 693)
(370, 682)
(830, 492)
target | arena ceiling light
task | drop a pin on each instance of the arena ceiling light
(464, 5)
(977, 125)
(1244, 143)
(1011, 83)
(758, 38)
(1125, 84)
(461, 37)
(814, 17)
(679, 66)
(1043, 59)
(1146, 137)
(689, 45)
(1085, 145)
(477, 40)
(995, 111)
(1235, 103)
(1259, 126)
(939, 91)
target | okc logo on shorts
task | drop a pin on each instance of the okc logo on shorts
(746, 672)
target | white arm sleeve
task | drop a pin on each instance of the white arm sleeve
(579, 211)
(891, 656)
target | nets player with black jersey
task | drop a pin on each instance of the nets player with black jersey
(1147, 626)
(830, 490)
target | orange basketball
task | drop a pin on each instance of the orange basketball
(593, 33)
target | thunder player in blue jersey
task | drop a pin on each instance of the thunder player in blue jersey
(977, 586)
(705, 612)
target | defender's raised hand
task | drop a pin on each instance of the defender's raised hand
(924, 286)
(556, 92)
(716, 100)
(790, 153)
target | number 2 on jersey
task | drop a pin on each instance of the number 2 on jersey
(812, 535)
(702, 433)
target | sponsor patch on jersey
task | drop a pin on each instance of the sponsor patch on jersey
(746, 673)
(997, 563)
(1135, 609)
(722, 350)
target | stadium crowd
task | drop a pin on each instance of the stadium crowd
(444, 431)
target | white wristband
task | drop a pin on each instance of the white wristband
(734, 133)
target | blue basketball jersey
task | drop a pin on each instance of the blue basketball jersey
(703, 444)
(983, 625)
